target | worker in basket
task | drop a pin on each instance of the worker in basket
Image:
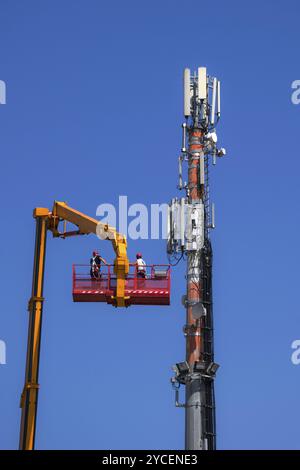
(140, 266)
(95, 263)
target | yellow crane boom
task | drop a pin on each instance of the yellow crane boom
(62, 212)
(50, 220)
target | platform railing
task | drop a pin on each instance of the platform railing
(157, 276)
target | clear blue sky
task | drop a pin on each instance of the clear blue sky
(94, 108)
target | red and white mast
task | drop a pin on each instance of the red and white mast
(190, 220)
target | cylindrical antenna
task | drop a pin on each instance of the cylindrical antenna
(180, 172)
(219, 99)
(201, 170)
(183, 137)
(213, 215)
(202, 84)
(187, 92)
(213, 102)
(182, 221)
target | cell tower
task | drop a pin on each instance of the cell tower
(190, 220)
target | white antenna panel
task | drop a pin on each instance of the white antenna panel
(213, 102)
(202, 85)
(187, 92)
(219, 98)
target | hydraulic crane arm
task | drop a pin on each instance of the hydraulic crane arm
(62, 212)
(47, 220)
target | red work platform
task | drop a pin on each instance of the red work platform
(154, 289)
